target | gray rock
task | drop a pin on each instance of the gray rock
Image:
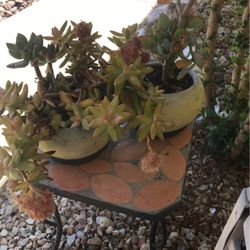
(142, 230)
(122, 231)
(203, 187)
(103, 221)
(4, 233)
(71, 239)
(23, 242)
(3, 247)
(115, 233)
(8, 5)
(109, 230)
(99, 230)
(30, 221)
(94, 241)
(80, 234)
(41, 242)
(174, 236)
(144, 247)
(64, 202)
(90, 220)
(14, 230)
(47, 246)
(81, 219)
(190, 236)
(87, 228)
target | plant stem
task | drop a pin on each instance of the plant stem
(184, 12)
(41, 83)
(244, 81)
(240, 139)
(244, 32)
(211, 34)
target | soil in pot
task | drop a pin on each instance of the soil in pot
(170, 85)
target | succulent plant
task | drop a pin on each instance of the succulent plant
(108, 117)
(166, 40)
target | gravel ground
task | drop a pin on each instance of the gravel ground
(9, 8)
(211, 190)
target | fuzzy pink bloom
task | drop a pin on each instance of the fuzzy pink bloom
(38, 204)
(151, 163)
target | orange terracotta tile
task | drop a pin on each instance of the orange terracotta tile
(182, 138)
(96, 167)
(157, 145)
(128, 172)
(149, 176)
(111, 188)
(173, 163)
(157, 195)
(128, 150)
(68, 177)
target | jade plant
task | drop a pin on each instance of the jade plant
(168, 37)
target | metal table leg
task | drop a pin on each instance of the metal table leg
(58, 224)
(154, 227)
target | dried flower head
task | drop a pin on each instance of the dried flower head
(83, 31)
(151, 163)
(37, 203)
(132, 49)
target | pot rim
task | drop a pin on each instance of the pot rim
(195, 74)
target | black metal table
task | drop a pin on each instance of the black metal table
(114, 181)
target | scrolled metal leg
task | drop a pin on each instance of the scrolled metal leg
(58, 229)
(154, 227)
(164, 232)
(58, 225)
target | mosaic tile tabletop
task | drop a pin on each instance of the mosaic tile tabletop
(114, 176)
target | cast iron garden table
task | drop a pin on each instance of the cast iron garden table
(113, 180)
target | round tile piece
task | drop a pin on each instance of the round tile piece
(128, 172)
(97, 166)
(157, 195)
(182, 138)
(173, 163)
(157, 145)
(128, 150)
(68, 177)
(111, 189)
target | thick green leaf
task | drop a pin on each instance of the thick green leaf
(21, 41)
(181, 64)
(118, 42)
(116, 33)
(15, 53)
(98, 131)
(62, 29)
(142, 132)
(38, 41)
(185, 72)
(147, 42)
(26, 166)
(20, 64)
(195, 22)
(162, 22)
(112, 133)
